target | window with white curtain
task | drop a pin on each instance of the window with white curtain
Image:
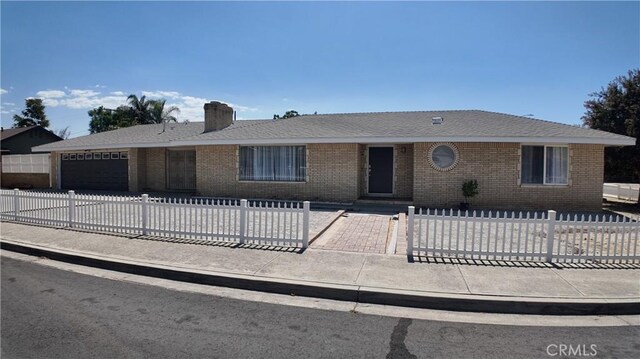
(545, 165)
(273, 163)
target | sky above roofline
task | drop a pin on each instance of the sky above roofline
(265, 58)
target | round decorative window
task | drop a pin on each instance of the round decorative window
(443, 156)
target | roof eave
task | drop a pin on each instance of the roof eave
(45, 148)
(622, 141)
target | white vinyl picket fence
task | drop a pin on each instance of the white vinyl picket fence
(501, 235)
(239, 221)
(621, 191)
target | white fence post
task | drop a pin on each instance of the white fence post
(410, 220)
(72, 208)
(306, 207)
(145, 214)
(243, 220)
(551, 233)
(16, 203)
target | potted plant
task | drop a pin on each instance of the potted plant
(469, 190)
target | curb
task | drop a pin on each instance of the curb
(352, 293)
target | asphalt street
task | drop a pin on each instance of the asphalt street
(52, 313)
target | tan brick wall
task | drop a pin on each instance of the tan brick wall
(134, 180)
(332, 172)
(496, 168)
(362, 170)
(141, 168)
(155, 168)
(54, 161)
(137, 169)
(403, 171)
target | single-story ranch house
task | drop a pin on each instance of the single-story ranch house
(422, 157)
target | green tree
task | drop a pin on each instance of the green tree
(288, 114)
(616, 109)
(104, 119)
(160, 113)
(140, 109)
(32, 115)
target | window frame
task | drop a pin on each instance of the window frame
(456, 156)
(306, 167)
(544, 166)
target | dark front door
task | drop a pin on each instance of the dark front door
(380, 170)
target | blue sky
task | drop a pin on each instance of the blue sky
(263, 58)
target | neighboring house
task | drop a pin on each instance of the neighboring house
(419, 157)
(20, 168)
(19, 141)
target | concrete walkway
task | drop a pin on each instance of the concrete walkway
(356, 232)
(378, 278)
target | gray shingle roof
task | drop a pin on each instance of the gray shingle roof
(462, 125)
(467, 123)
(135, 136)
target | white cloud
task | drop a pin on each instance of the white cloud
(80, 99)
(9, 104)
(50, 102)
(50, 94)
(93, 102)
(191, 107)
(84, 93)
(161, 94)
(3, 91)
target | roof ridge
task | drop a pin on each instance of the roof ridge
(383, 112)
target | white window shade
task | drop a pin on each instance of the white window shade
(273, 163)
(557, 165)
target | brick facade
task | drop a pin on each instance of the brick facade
(54, 162)
(403, 171)
(155, 168)
(332, 173)
(496, 167)
(337, 173)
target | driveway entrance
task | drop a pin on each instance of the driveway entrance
(357, 232)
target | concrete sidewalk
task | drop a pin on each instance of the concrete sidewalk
(373, 278)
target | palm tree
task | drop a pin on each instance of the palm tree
(141, 109)
(160, 114)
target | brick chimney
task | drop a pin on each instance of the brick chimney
(217, 115)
